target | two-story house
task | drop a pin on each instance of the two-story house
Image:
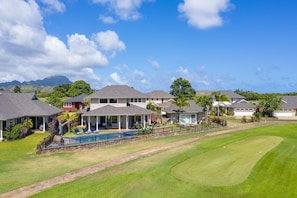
(117, 106)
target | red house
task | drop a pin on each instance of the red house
(74, 104)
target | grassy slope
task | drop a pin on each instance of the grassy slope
(20, 166)
(275, 174)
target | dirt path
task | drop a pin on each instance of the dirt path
(46, 184)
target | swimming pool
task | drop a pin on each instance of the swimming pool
(98, 137)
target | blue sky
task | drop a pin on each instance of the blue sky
(147, 44)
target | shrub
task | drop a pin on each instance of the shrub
(13, 133)
(244, 119)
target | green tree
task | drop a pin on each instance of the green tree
(55, 100)
(204, 101)
(68, 118)
(182, 88)
(62, 90)
(270, 103)
(79, 87)
(17, 89)
(180, 103)
(220, 98)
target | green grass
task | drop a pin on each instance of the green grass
(272, 174)
(22, 148)
(236, 159)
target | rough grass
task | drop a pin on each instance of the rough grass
(236, 159)
(274, 175)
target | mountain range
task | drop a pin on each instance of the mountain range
(49, 81)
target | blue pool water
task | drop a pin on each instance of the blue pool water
(99, 137)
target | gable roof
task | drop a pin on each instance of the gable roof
(117, 91)
(16, 105)
(231, 94)
(79, 98)
(289, 102)
(242, 104)
(159, 94)
(193, 108)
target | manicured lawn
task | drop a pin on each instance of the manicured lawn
(271, 172)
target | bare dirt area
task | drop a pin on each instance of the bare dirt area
(44, 185)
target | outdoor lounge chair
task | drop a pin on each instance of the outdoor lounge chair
(77, 132)
(86, 131)
(93, 130)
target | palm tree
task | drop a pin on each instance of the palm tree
(67, 117)
(180, 102)
(220, 98)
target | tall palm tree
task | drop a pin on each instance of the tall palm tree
(67, 117)
(181, 102)
(220, 98)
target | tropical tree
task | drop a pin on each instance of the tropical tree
(17, 89)
(68, 117)
(220, 98)
(180, 102)
(270, 103)
(79, 87)
(182, 88)
(204, 101)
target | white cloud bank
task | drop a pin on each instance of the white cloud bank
(204, 14)
(29, 52)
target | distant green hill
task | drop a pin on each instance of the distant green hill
(45, 84)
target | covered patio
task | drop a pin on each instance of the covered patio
(110, 117)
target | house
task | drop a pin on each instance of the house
(238, 106)
(74, 104)
(117, 106)
(188, 115)
(160, 99)
(289, 107)
(15, 107)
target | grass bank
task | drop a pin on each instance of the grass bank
(273, 174)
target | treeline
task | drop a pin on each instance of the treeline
(250, 95)
(64, 91)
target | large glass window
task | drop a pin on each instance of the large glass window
(188, 118)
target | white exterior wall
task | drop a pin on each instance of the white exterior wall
(284, 113)
(240, 113)
(122, 102)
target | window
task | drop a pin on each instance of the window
(103, 100)
(139, 99)
(113, 100)
(67, 104)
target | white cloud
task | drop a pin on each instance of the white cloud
(107, 19)
(124, 9)
(182, 71)
(154, 63)
(53, 5)
(204, 14)
(28, 52)
(109, 41)
(117, 79)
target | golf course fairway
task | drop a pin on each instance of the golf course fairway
(227, 165)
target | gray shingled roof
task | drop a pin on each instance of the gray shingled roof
(117, 91)
(231, 94)
(243, 104)
(109, 110)
(194, 108)
(159, 94)
(79, 98)
(289, 102)
(16, 105)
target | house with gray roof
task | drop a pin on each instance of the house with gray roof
(74, 104)
(188, 115)
(117, 106)
(238, 105)
(289, 107)
(15, 107)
